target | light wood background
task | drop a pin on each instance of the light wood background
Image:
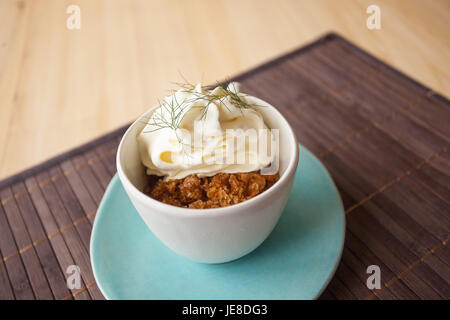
(60, 88)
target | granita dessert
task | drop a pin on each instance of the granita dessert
(207, 148)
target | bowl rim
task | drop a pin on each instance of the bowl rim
(210, 212)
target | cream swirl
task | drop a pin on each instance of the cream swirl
(205, 132)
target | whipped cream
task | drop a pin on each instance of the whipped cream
(201, 132)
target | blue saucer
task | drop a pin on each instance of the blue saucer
(296, 261)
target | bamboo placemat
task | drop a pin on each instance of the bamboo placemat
(384, 138)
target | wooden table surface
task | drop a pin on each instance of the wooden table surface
(60, 87)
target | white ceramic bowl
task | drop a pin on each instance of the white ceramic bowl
(212, 235)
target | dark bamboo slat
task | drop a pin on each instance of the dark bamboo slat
(77, 237)
(384, 138)
(90, 180)
(98, 168)
(54, 235)
(47, 258)
(14, 266)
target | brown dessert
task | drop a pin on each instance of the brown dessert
(220, 190)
